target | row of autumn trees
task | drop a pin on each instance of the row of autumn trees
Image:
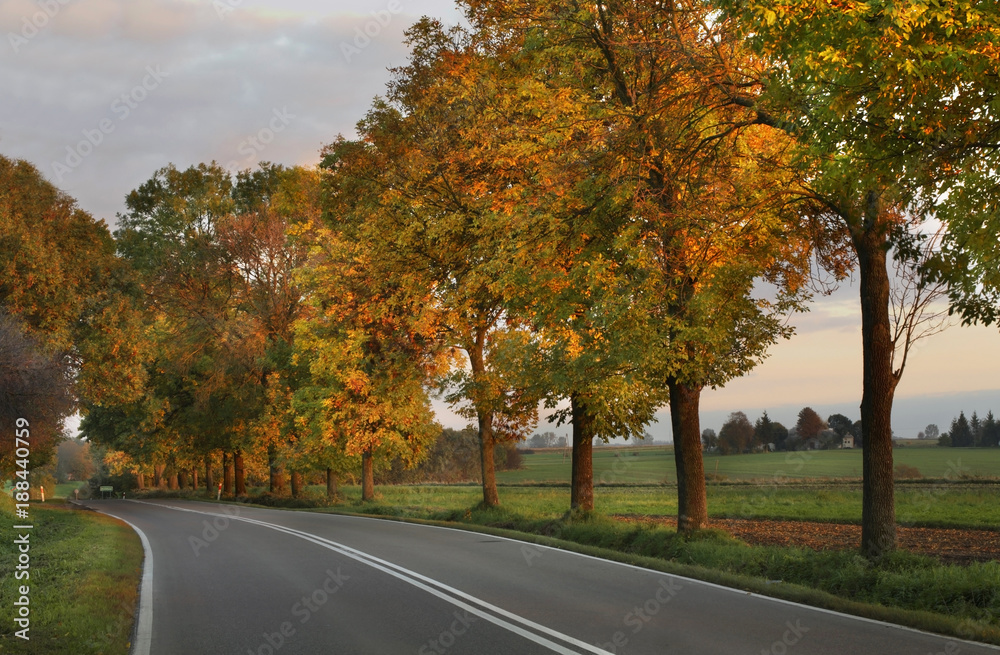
(599, 207)
(591, 195)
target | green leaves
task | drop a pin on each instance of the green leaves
(216, 270)
(902, 97)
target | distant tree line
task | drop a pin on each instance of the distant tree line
(454, 457)
(972, 432)
(810, 432)
(546, 440)
(552, 440)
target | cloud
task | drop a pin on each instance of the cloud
(91, 22)
(224, 77)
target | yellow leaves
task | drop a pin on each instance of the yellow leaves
(832, 55)
(119, 463)
(574, 346)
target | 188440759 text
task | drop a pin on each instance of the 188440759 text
(22, 542)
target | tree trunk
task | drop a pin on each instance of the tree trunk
(239, 477)
(367, 476)
(692, 503)
(158, 480)
(331, 483)
(491, 498)
(194, 478)
(296, 484)
(182, 478)
(582, 492)
(172, 480)
(209, 477)
(140, 480)
(277, 481)
(878, 511)
(227, 474)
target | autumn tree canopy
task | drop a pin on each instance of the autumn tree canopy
(687, 196)
(71, 329)
(215, 267)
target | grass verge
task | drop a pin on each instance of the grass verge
(906, 589)
(84, 575)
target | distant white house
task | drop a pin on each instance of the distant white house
(848, 441)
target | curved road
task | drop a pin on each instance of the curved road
(222, 579)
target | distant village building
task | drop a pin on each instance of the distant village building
(848, 441)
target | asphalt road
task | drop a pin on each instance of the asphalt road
(222, 579)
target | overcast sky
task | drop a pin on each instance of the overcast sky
(99, 94)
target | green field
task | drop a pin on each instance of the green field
(960, 487)
(65, 489)
(655, 464)
(62, 490)
(927, 505)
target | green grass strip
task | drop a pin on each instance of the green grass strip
(84, 576)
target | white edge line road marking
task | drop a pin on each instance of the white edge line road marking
(446, 593)
(144, 624)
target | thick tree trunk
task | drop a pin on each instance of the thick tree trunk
(194, 478)
(158, 480)
(582, 486)
(239, 474)
(331, 483)
(491, 497)
(172, 480)
(367, 476)
(692, 504)
(140, 480)
(227, 474)
(878, 512)
(296, 484)
(182, 478)
(277, 481)
(209, 476)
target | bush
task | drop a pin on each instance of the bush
(508, 457)
(905, 472)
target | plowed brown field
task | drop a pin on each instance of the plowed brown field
(948, 545)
